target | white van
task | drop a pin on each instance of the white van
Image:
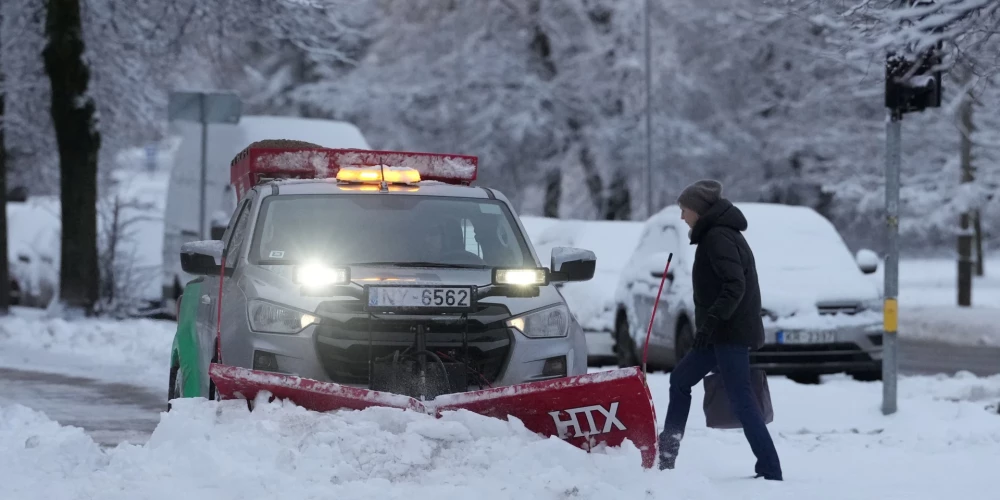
(224, 142)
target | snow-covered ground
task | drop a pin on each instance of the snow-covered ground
(133, 351)
(833, 441)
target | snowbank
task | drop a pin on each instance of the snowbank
(592, 302)
(833, 442)
(133, 351)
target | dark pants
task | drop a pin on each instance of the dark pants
(733, 363)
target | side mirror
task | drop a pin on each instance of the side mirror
(202, 258)
(867, 260)
(572, 264)
(18, 194)
(659, 274)
(656, 263)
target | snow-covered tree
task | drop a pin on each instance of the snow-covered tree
(832, 112)
(539, 90)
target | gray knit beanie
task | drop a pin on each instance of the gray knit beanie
(701, 195)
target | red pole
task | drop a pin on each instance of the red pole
(649, 331)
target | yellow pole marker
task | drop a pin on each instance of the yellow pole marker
(890, 318)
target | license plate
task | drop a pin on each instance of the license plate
(417, 297)
(806, 337)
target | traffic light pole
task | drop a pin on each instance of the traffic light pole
(649, 112)
(890, 339)
(203, 118)
(912, 84)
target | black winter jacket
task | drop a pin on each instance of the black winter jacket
(724, 274)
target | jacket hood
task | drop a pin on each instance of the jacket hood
(723, 213)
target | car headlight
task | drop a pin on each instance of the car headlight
(317, 275)
(874, 305)
(545, 323)
(271, 318)
(520, 277)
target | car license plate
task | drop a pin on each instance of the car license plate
(417, 297)
(806, 337)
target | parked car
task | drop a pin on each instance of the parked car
(591, 302)
(821, 314)
(33, 250)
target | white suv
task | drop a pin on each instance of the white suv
(821, 314)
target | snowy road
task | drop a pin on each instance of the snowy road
(114, 412)
(109, 412)
(919, 357)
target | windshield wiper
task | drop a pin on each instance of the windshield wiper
(422, 264)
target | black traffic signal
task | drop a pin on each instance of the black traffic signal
(913, 85)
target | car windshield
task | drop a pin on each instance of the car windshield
(387, 229)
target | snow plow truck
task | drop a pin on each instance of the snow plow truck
(352, 278)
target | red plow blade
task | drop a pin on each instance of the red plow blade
(585, 410)
(234, 382)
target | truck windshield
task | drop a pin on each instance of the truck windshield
(387, 230)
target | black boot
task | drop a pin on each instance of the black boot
(669, 445)
(769, 478)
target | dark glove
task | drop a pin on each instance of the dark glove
(704, 335)
(701, 339)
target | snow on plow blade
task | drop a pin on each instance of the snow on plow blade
(585, 410)
(234, 382)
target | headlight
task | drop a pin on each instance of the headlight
(317, 275)
(520, 277)
(271, 318)
(546, 323)
(765, 313)
(874, 305)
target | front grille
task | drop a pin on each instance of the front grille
(343, 346)
(806, 353)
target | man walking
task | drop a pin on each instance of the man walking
(729, 324)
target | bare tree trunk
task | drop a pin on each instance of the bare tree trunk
(619, 205)
(4, 264)
(553, 193)
(109, 279)
(977, 228)
(74, 119)
(965, 234)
